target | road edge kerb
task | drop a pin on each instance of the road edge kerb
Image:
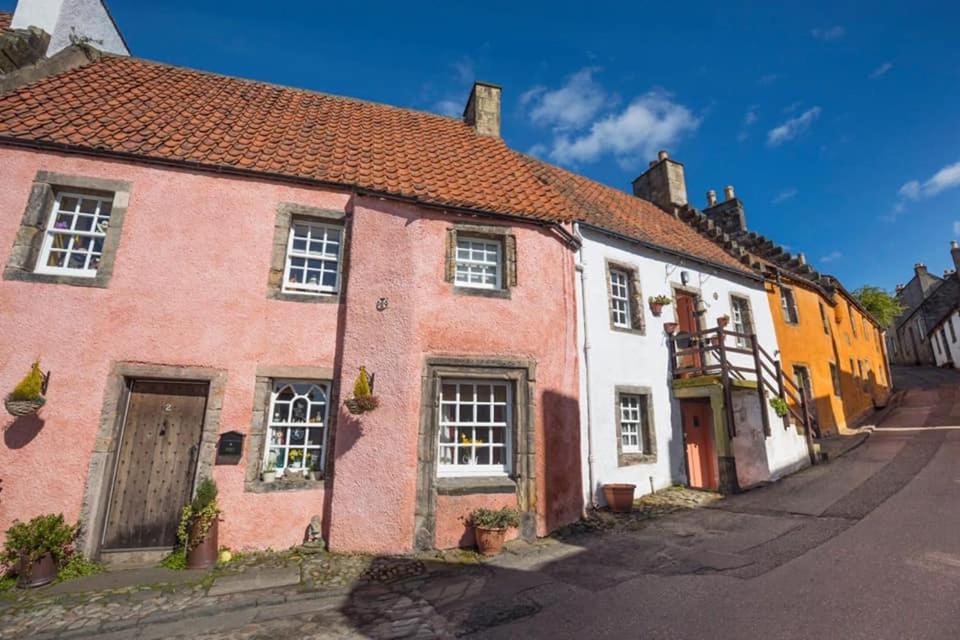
(261, 600)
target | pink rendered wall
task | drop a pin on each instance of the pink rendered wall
(376, 455)
(189, 288)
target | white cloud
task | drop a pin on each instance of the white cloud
(450, 108)
(750, 117)
(769, 78)
(828, 34)
(464, 70)
(785, 195)
(881, 70)
(650, 122)
(833, 256)
(572, 106)
(946, 178)
(792, 127)
(956, 228)
(538, 150)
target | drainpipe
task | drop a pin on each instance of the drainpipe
(581, 263)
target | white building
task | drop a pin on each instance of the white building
(68, 21)
(643, 423)
(943, 337)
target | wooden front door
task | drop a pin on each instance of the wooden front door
(156, 462)
(697, 416)
(687, 324)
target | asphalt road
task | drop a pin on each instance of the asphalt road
(884, 564)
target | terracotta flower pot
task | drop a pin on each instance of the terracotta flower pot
(656, 308)
(670, 327)
(619, 497)
(723, 321)
(41, 571)
(489, 541)
(204, 554)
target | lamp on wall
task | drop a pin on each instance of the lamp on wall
(701, 306)
(685, 277)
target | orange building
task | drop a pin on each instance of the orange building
(829, 344)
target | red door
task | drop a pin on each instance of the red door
(687, 323)
(697, 419)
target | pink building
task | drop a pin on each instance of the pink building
(196, 258)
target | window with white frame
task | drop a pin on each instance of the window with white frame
(478, 263)
(742, 320)
(73, 240)
(474, 435)
(789, 305)
(631, 423)
(620, 313)
(296, 429)
(313, 258)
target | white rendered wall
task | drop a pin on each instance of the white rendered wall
(61, 18)
(617, 358)
(951, 346)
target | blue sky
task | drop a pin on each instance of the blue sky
(839, 127)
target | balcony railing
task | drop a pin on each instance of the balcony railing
(732, 357)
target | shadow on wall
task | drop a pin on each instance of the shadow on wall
(560, 421)
(19, 432)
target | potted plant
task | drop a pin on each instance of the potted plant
(27, 397)
(723, 321)
(780, 406)
(490, 527)
(362, 399)
(619, 497)
(197, 532)
(37, 548)
(657, 303)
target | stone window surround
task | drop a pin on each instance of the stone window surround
(265, 377)
(649, 432)
(508, 244)
(99, 481)
(287, 212)
(638, 320)
(783, 311)
(522, 480)
(36, 214)
(751, 327)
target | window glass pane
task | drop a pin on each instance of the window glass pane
(473, 421)
(88, 205)
(68, 203)
(297, 447)
(56, 259)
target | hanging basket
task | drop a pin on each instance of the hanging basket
(20, 408)
(361, 405)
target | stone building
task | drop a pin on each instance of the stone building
(927, 300)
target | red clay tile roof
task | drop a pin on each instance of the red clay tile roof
(622, 213)
(152, 110)
(5, 19)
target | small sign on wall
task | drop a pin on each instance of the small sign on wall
(230, 448)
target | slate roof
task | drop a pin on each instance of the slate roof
(155, 111)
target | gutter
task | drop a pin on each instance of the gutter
(569, 239)
(749, 275)
(580, 265)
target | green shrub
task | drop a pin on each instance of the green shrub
(43, 534)
(78, 567)
(780, 406)
(177, 560)
(361, 388)
(495, 519)
(31, 387)
(661, 299)
(206, 495)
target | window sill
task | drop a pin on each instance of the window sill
(259, 486)
(631, 330)
(467, 485)
(274, 294)
(482, 293)
(99, 281)
(630, 459)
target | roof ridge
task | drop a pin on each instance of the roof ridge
(287, 87)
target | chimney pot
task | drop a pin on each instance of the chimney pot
(711, 198)
(954, 245)
(663, 155)
(483, 109)
(802, 258)
(728, 193)
(955, 254)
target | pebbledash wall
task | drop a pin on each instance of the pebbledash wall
(190, 289)
(639, 362)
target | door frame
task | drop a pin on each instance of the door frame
(100, 475)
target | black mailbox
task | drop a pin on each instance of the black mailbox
(230, 448)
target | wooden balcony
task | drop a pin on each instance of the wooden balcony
(736, 358)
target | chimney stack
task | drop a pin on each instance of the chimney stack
(955, 253)
(900, 289)
(483, 109)
(728, 194)
(711, 198)
(663, 184)
(801, 258)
